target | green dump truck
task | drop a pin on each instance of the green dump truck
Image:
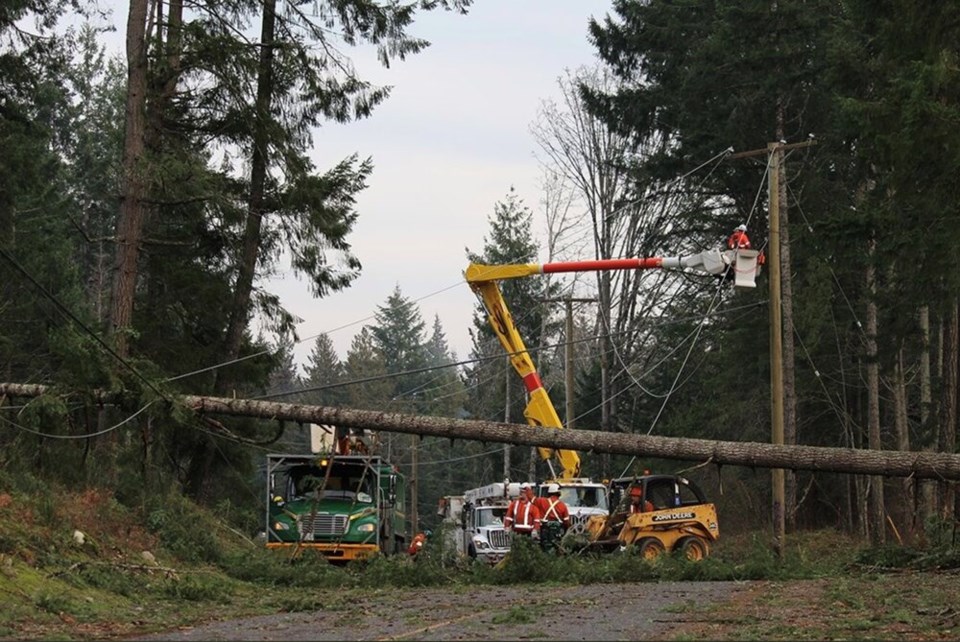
(345, 507)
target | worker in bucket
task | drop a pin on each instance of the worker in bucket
(738, 239)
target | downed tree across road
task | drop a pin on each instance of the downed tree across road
(893, 463)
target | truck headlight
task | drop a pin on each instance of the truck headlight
(280, 526)
(480, 544)
(369, 527)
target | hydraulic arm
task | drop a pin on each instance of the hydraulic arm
(485, 281)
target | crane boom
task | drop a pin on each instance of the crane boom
(485, 281)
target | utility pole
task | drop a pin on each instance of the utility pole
(506, 416)
(776, 348)
(414, 484)
(774, 152)
(568, 364)
(568, 356)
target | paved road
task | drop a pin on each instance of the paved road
(641, 611)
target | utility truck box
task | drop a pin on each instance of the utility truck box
(476, 521)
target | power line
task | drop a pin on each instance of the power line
(72, 317)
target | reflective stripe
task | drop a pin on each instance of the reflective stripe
(553, 509)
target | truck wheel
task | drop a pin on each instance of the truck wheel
(472, 552)
(694, 548)
(650, 548)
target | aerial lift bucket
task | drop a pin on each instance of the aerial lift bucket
(746, 268)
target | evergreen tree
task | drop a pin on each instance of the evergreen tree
(324, 370)
(444, 391)
(399, 333)
(364, 372)
(491, 380)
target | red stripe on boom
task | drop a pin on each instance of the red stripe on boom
(603, 264)
(532, 382)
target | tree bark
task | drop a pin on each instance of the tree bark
(892, 463)
(906, 496)
(948, 425)
(876, 508)
(204, 453)
(131, 220)
(240, 306)
(926, 505)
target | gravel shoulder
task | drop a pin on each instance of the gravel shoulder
(633, 611)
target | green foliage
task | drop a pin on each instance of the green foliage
(276, 568)
(516, 614)
(112, 580)
(402, 571)
(53, 603)
(888, 556)
(198, 588)
(525, 563)
(184, 529)
(940, 552)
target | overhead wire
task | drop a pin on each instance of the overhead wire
(713, 303)
(833, 272)
(84, 436)
(69, 315)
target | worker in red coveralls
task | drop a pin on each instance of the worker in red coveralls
(552, 508)
(554, 519)
(637, 503)
(417, 543)
(523, 516)
(738, 239)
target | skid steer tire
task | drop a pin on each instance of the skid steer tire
(650, 548)
(693, 548)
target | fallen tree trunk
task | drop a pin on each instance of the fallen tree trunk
(892, 463)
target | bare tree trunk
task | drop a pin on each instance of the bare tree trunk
(134, 188)
(240, 306)
(606, 399)
(926, 505)
(906, 502)
(204, 454)
(877, 527)
(948, 423)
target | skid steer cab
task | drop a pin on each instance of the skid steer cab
(657, 514)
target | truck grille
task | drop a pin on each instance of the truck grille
(578, 523)
(498, 539)
(323, 524)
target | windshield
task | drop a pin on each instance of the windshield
(584, 496)
(343, 483)
(491, 516)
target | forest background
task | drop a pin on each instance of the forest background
(142, 201)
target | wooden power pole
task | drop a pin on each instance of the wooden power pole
(776, 348)
(774, 153)
(568, 357)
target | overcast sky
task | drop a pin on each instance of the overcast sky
(447, 145)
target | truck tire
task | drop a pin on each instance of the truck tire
(472, 552)
(650, 548)
(693, 548)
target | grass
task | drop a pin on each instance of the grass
(54, 587)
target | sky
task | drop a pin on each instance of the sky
(447, 145)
